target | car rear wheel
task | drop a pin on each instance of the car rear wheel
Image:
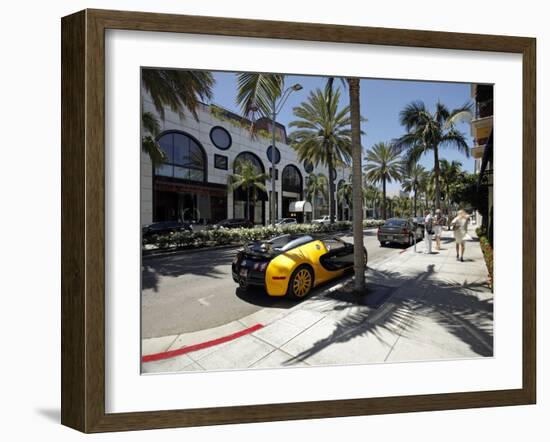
(301, 283)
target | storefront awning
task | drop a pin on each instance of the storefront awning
(300, 207)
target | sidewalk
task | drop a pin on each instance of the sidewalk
(417, 307)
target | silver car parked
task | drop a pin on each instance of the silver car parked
(400, 231)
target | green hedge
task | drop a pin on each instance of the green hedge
(218, 237)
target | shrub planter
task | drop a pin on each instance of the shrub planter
(222, 236)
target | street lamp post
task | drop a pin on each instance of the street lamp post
(274, 111)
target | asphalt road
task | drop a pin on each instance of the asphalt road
(194, 291)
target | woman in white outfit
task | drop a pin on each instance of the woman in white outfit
(460, 230)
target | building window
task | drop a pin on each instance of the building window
(277, 154)
(308, 166)
(276, 173)
(220, 138)
(220, 162)
(292, 179)
(250, 157)
(185, 157)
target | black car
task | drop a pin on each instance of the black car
(163, 227)
(400, 231)
(234, 223)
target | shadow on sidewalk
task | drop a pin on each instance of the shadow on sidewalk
(455, 307)
(202, 263)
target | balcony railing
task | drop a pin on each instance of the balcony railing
(484, 109)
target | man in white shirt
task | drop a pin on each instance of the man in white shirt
(428, 231)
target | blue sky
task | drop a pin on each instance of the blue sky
(381, 102)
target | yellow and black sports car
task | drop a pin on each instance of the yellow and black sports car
(292, 265)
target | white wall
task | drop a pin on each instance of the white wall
(241, 142)
(30, 79)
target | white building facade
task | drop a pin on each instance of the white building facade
(202, 153)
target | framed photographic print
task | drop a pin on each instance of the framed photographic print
(198, 289)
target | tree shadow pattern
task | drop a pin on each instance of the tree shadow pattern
(460, 309)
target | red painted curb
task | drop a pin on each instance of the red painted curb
(200, 346)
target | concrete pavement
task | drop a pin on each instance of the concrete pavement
(417, 307)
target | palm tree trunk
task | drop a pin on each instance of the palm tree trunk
(248, 203)
(331, 198)
(437, 196)
(357, 190)
(414, 190)
(384, 199)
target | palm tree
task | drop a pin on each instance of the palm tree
(450, 173)
(372, 194)
(176, 89)
(345, 193)
(383, 166)
(357, 177)
(316, 186)
(323, 134)
(402, 205)
(256, 93)
(411, 182)
(428, 132)
(248, 178)
(149, 144)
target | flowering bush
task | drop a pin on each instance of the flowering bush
(219, 237)
(487, 250)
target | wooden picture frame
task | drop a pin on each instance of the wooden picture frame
(83, 220)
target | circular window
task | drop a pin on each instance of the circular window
(277, 154)
(220, 138)
(308, 166)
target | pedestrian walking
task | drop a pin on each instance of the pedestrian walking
(460, 231)
(428, 231)
(438, 222)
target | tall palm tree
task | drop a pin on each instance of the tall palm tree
(411, 181)
(316, 186)
(345, 193)
(383, 166)
(450, 173)
(256, 93)
(372, 194)
(248, 178)
(402, 205)
(323, 135)
(357, 177)
(149, 144)
(427, 132)
(176, 89)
